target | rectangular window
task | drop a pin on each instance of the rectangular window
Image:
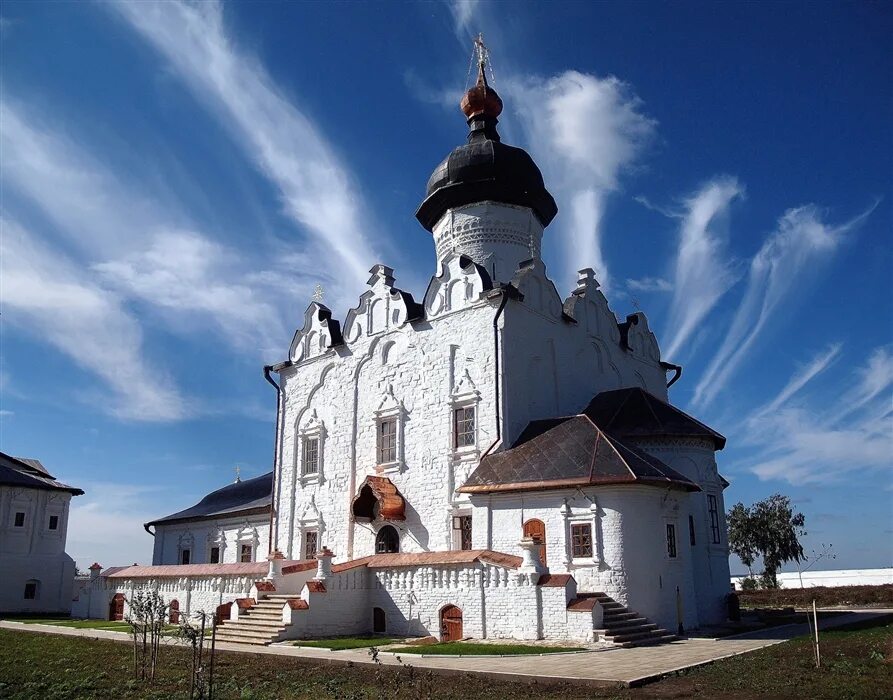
(185, 556)
(54, 522)
(214, 557)
(30, 590)
(462, 526)
(581, 540)
(714, 518)
(387, 441)
(671, 540)
(310, 461)
(245, 552)
(463, 427)
(19, 519)
(311, 538)
(691, 530)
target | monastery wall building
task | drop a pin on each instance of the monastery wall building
(489, 460)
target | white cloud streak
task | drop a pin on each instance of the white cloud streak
(703, 271)
(803, 444)
(286, 146)
(189, 276)
(801, 240)
(48, 296)
(802, 377)
(650, 284)
(584, 132)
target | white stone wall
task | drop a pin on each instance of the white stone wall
(837, 577)
(696, 460)
(199, 536)
(630, 561)
(34, 552)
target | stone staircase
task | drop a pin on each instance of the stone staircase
(259, 625)
(625, 628)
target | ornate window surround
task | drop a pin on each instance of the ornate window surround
(247, 534)
(390, 408)
(314, 429)
(590, 518)
(216, 539)
(465, 395)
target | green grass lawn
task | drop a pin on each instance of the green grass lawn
(340, 643)
(115, 625)
(857, 664)
(472, 649)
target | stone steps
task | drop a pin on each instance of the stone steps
(259, 625)
(626, 628)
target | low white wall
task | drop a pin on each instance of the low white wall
(840, 577)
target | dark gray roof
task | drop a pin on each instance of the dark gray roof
(241, 498)
(31, 474)
(634, 413)
(569, 452)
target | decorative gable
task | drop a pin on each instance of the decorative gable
(381, 308)
(459, 284)
(319, 333)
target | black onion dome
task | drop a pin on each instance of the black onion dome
(485, 168)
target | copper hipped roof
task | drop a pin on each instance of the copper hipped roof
(380, 490)
(570, 452)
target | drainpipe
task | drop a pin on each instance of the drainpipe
(267, 370)
(504, 291)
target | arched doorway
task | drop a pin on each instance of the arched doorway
(175, 612)
(222, 613)
(379, 621)
(116, 607)
(451, 624)
(536, 529)
(387, 541)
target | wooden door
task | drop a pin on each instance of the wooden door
(175, 612)
(536, 529)
(451, 624)
(116, 607)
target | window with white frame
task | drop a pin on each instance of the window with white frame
(185, 556)
(310, 456)
(464, 427)
(671, 540)
(31, 589)
(714, 518)
(246, 553)
(311, 543)
(214, 555)
(462, 532)
(19, 519)
(54, 522)
(387, 440)
(581, 540)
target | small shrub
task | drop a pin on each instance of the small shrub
(749, 584)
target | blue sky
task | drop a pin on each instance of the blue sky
(177, 178)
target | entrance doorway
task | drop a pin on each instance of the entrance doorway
(379, 621)
(116, 607)
(175, 612)
(536, 529)
(451, 624)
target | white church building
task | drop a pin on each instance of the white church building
(487, 461)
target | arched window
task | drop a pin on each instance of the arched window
(536, 529)
(387, 541)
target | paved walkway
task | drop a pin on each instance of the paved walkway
(627, 667)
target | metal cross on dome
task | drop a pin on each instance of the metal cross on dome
(482, 53)
(318, 294)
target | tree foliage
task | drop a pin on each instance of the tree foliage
(770, 530)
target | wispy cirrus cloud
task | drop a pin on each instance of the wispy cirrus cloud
(188, 277)
(48, 296)
(649, 284)
(801, 240)
(802, 442)
(316, 189)
(703, 270)
(585, 132)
